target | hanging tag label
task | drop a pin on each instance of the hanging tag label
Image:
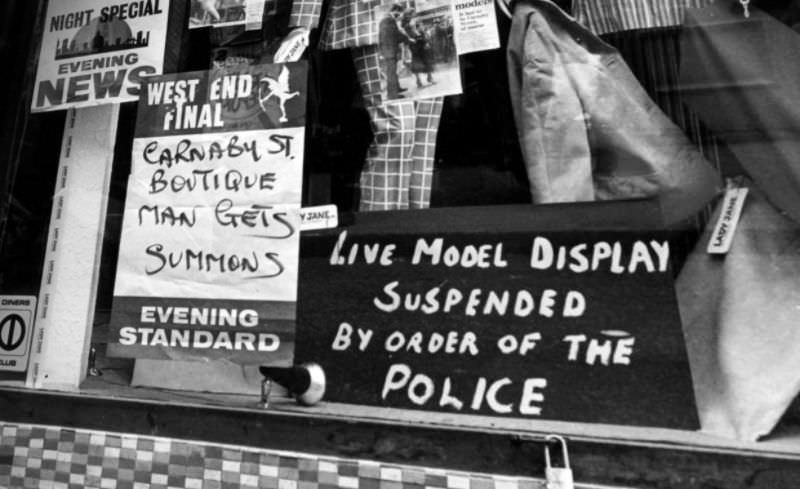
(319, 217)
(293, 46)
(725, 229)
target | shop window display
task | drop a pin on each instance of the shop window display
(574, 177)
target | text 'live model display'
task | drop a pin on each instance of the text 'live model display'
(527, 323)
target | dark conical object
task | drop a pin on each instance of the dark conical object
(305, 382)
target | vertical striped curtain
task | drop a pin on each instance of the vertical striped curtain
(653, 55)
(647, 35)
(605, 16)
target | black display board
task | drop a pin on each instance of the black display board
(563, 312)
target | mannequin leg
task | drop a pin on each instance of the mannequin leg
(428, 115)
(387, 169)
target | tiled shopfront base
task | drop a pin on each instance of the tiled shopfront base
(52, 457)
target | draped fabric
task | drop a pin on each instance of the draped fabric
(351, 23)
(305, 13)
(740, 317)
(741, 76)
(740, 312)
(302, 13)
(604, 16)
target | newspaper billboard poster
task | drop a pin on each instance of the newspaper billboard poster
(208, 258)
(96, 52)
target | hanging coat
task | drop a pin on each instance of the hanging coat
(587, 128)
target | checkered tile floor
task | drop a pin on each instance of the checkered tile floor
(52, 457)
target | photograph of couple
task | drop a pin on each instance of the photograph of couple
(418, 51)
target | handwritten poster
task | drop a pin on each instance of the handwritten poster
(97, 52)
(209, 250)
(475, 26)
(507, 311)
